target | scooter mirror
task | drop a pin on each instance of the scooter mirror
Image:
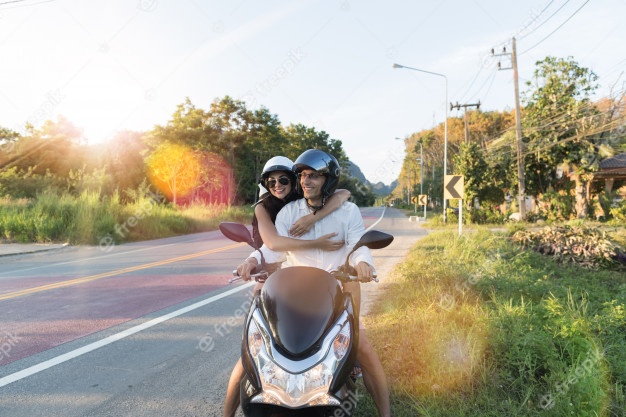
(374, 240)
(237, 232)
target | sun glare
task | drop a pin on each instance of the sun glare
(185, 176)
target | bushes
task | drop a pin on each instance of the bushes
(619, 212)
(93, 219)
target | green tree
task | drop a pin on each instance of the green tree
(561, 128)
(123, 159)
(301, 138)
(471, 163)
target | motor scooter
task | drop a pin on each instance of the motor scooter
(300, 337)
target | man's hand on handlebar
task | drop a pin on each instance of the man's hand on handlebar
(244, 269)
(364, 271)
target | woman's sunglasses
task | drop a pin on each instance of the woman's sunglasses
(271, 183)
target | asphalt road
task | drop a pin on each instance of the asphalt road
(144, 329)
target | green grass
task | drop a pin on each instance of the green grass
(93, 219)
(475, 326)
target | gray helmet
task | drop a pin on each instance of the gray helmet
(324, 164)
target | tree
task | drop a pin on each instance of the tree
(123, 158)
(174, 169)
(471, 163)
(561, 128)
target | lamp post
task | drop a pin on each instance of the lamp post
(445, 134)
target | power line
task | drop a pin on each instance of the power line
(23, 5)
(558, 27)
(549, 17)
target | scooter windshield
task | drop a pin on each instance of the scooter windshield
(299, 304)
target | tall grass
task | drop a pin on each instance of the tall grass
(89, 218)
(474, 326)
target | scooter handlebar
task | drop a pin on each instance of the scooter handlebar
(258, 277)
(343, 277)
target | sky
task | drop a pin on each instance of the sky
(118, 65)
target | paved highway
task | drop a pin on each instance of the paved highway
(143, 329)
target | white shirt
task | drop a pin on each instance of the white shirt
(346, 221)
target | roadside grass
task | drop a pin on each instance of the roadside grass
(476, 326)
(90, 218)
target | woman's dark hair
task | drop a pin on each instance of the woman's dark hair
(272, 205)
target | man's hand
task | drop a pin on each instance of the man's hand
(364, 271)
(244, 269)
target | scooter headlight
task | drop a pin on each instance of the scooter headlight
(298, 389)
(341, 344)
(255, 339)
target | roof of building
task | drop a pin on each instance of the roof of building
(617, 161)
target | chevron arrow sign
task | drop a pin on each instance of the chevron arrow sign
(453, 187)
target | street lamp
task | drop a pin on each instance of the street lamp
(445, 134)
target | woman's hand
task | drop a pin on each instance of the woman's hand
(326, 243)
(302, 225)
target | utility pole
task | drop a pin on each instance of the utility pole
(465, 106)
(518, 129)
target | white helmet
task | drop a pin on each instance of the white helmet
(277, 163)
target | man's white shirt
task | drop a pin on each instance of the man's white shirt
(346, 221)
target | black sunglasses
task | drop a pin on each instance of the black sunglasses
(271, 183)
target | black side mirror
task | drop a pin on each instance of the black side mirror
(374, 240)
(237, 232)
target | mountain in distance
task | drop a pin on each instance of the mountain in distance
(380, 189)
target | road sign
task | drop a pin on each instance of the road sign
(413, 200)
(454, 187)
(422, 200)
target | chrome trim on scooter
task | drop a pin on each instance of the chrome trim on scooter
(309, 362)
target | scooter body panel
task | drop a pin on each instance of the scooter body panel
(299, 347)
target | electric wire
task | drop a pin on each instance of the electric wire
(9, 2)
(557, 28)
(549, 17)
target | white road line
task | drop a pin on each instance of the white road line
(14, 377)
(377, 221)
(82, 260)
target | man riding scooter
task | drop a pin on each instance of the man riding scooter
(317, 176)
